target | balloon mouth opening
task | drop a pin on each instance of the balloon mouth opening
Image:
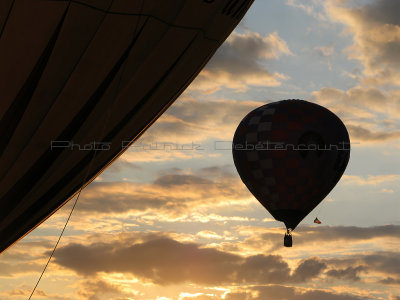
(290, 217)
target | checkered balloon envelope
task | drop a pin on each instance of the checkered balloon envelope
(290, 154)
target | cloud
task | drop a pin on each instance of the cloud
(388, 191)
(121, 165)
(263, 269)
(239, 62)
(387, 262)
(208, 234)
(185, 131)
(381, 264)
(308, 269)
(370, 180)
(178, 179)
(312, 239)
(335, 233)
(279, 292)
(351, 264)
(96, 289)
(311, 7)
(390, 280)
(191, 122)
(11, 270)
(165, 261)
(174, 194)
(376, 36)
(196, 296)
(25, 291)
(307, 234)
(359, 133)
(359, 108)
(366, 98)
(349, 273)
(324, 51)
(150, 152)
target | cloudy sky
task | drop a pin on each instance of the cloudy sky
(171, 220)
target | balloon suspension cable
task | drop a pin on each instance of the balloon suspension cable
(88, 169)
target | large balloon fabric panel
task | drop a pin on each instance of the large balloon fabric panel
(77, 76)
(290, 154)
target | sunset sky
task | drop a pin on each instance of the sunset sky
(171, 219)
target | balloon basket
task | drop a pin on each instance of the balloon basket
(287, 240)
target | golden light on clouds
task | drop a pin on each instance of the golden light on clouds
(376, 35)
(169, 221)
(370, 180)
(238, 64)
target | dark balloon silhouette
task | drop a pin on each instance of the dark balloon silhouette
(85, 77)
(290, 154)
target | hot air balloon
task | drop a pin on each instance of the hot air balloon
(290, 154)
(82, 80)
